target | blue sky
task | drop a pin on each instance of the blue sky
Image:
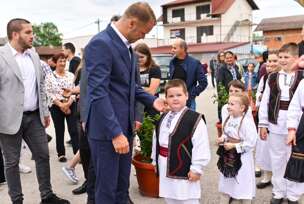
(77, 17)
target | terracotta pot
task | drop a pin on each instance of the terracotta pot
(147, 180)
(219, 129)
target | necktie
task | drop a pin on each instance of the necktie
(170, 118)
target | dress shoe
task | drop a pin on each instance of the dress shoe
(262, 185)
(129, 200)
(81, 189)
(276, 200)
(292, 202)
(53, 199)
(258, 173)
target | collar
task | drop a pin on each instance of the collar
(121, 36)
(175, 113)
(15, 52)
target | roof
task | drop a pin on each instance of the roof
(218, 6)
(281, 23)
(48, 50)
(200, 47)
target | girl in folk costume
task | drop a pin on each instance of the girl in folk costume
(180, 148)
(262, 148)
(279, 91)
(236, 152)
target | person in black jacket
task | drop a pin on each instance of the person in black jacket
(69, 52)
(227, 72)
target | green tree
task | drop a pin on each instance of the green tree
(47, 34)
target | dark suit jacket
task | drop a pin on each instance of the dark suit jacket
(83, 95)
(225, 76)
(112, 89)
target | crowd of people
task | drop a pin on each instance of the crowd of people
(104, 95)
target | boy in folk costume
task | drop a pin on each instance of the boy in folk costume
(262, 148)
(180, 148)
(279, 91)
(236, 162)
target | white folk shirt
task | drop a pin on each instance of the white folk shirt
(181, 189)
(28, 74)
(285, 81)
(295, 109)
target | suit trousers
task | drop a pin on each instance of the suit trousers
(33, 133)
(2, 176)
(58, 118)
(112, 172)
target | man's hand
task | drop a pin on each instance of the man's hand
(193, 176)
(291, 139)
(47, 121)
(160, 105)
(137, 125)
(121, 144)
(263, 133)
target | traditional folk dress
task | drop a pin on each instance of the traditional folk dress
(295, 119)
(242, 186)
(175, 154)
(279, 90)
(262, 155)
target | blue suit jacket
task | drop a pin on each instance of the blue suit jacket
(112, 88)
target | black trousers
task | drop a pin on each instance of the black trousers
(2, 177)
(58, 118)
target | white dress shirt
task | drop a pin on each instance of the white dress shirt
(27, 69)
(122, 37)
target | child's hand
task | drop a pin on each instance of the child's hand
(193, 176)
(263, 133)
(220, 140)
(291, 139)
(229, 145)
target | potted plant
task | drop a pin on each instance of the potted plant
(146, 178)
(221, 98)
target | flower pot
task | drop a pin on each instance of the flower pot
(219, 128)
(147, 180)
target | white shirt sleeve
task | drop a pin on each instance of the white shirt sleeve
(248, 135)
(153, 156)
(201, 149)
(263, 110)
(259, 92)
(225, 113)
(294, 112)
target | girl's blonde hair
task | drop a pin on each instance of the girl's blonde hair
(245, 102)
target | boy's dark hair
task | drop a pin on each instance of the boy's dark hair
(69, 46)
(237, 84)
(15, 25)
(175, 83)
(290, 48)
(229, 52)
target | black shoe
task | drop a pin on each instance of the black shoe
(292, 202)
(49, 137)
(81, 189)
(258, 173)
(62, 158)
(129, 200)
(69, 142)
(53, 199)
(276, 201)
(262, 185)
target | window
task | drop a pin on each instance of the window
(278, 38)
(177, 33)
(204, 30)
(178, 13)
(203, 9)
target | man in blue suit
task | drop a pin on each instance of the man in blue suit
(112, 92)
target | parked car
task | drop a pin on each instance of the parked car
(163, 60)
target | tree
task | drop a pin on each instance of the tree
(47, 34)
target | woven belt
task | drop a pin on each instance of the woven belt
(284, 105)
(163, 151)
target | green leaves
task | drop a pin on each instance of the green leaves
(145, 135)
(47, 34)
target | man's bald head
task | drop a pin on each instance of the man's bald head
(179, 48)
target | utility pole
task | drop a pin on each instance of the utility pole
(98, 24)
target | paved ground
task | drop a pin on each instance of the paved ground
(63, 189)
